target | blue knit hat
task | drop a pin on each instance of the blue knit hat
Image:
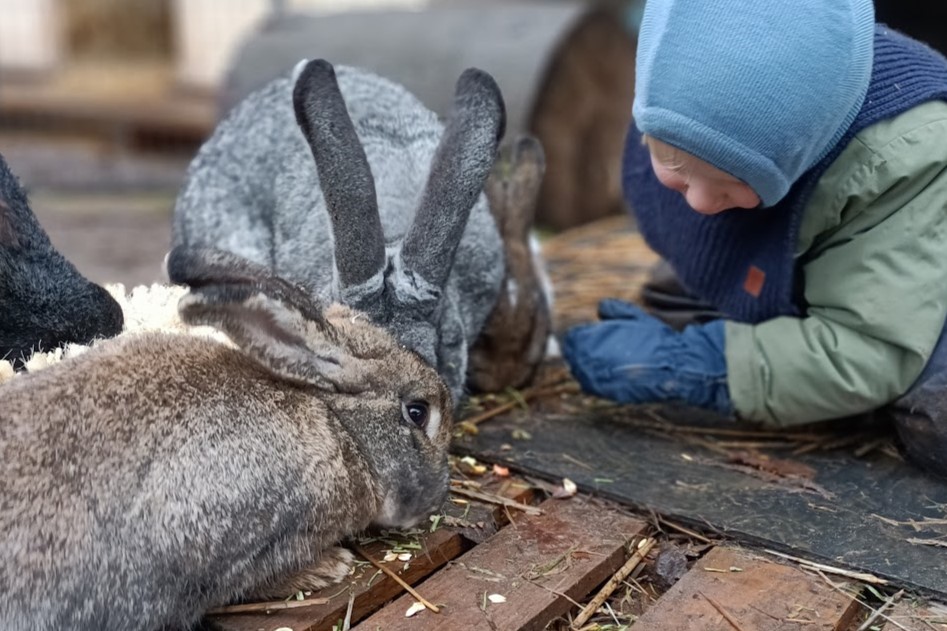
(761, 89)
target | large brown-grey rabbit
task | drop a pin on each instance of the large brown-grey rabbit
(157, 476)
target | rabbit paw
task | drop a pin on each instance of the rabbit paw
(331, 568)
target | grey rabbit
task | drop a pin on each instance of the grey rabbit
(44, 301)
(158, 475)
(346, 184)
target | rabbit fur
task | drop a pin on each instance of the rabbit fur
(391, 221)
(514, 339)
(155, 476)
(145, 308)
(44, 301)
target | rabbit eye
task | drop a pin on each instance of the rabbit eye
(415, 412)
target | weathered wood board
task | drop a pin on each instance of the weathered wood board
(370, 591)
(729, 589)
(537, 564)
(871, 514)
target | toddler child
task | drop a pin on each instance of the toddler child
(789, 160)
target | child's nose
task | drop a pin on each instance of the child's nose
(704, 201)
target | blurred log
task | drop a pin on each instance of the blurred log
(566, 70)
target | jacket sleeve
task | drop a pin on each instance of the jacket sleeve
(874, 259)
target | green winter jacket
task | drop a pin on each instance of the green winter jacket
(873, 252)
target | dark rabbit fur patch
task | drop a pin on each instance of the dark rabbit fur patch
(44, 301)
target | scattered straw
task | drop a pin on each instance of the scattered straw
(877, 613)
(496, 499)
(858, 576)
(723, 612)
(418, 597)
(662, 521)
(524, 396)
(614, 582)
(264, 607)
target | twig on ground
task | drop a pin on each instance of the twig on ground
(381, 566)
(723, 612)
(926, 522)
(858, 576)
(861, 602)
(870, 446)
(917, 541)
(347, 622)
(576, 461)
(877, 613)
(263, 607)
(663, 423)
(526, 395)
(495, 499)
(681, 529)
(554, 592)
(613, 583)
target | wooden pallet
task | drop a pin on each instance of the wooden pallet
(497, 567)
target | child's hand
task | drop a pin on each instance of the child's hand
(633, 357)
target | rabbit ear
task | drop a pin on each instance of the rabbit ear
(276, 335)
(344, 174)
(463, 160)
(199, 267)
(513, 187)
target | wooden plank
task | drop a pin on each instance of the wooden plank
(540, 564)
(729, 590)
(476, 522)
(371, 590)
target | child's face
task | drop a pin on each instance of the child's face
(707, 189)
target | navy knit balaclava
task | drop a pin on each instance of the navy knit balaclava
(759, 89)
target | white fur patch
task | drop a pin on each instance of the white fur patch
(512, 291)
(539, 264)
(552, 347)
(411, 287)
(433, 422)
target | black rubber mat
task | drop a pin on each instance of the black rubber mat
(873, 514)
